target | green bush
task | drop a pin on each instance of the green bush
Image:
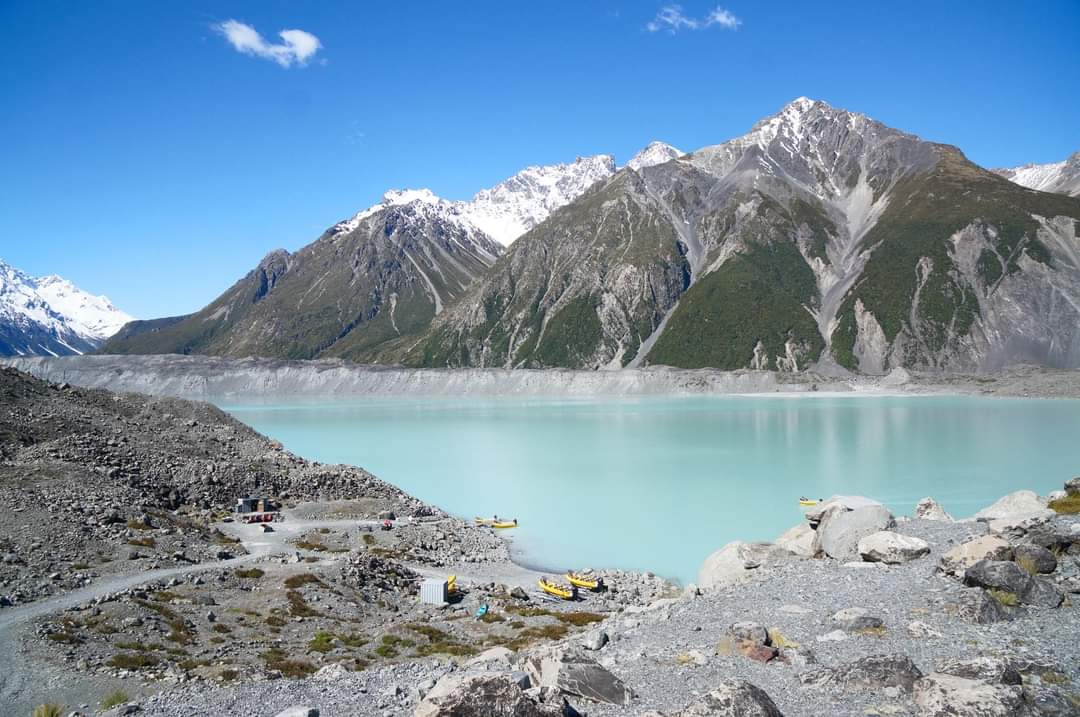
(114, 698)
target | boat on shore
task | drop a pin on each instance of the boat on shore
(560, 591)
(585, 582)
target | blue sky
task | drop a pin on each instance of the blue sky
(145, 157)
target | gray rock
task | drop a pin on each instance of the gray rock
(939, 695)
(1022, 501)
(963, 556)
(730, 565)
(996, 670)
(731, 698)
(1042, 593)
(595, 640)
(856, 618)
(975, 606)
(876, 671)
(575, 674)
(299, 711)
(798, 540)
(930, 509)
(839, 534)
(1035, 558)
(841, 502)
(888, 547)
(1072, 486)
(1019, 525)
(998, 574)
(750, 632)
(484, 695)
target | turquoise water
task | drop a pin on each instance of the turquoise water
(659, 483)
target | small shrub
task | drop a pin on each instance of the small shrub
(80, 566)
(387, 651)
(1028, 565)
(48, 710)
(114, 698)
(228, 675)
(275, 659)
(1069, 505)
(431, 633)
(275, 621)
(1055, 678)
(65, 638)
(490, 617)
(250, 573)
(165, 596)
(223, 629)
(311, 545)
(322, 642)
(133, 660)
(298, 607)
(296, 581)
(138, 525)
(1004, 597)
(353, 640)
(578, 619)
(217, 639)
(369, 539)
(144, 542)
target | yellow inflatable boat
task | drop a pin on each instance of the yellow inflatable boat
(584, 582)
(807, 501)
(505, 524)
(559, 591)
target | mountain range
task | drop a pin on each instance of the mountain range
(821, 238)
(1059, 177)
(50, 316)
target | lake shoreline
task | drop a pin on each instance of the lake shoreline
(209, 377)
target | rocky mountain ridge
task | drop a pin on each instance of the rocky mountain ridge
(821, 237)
(50, 316)
(1058, 177)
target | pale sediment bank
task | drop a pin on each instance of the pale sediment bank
(209, 378)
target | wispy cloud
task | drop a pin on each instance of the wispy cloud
(671, 19)
(297, 46)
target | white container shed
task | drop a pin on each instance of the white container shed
(433, 591)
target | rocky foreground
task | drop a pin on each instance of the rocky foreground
(854, 613)
(125, 589)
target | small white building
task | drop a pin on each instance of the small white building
(433, 591)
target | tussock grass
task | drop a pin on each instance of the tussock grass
(48, 710)
(296, 581)
(133, 660)
(1004, 597)
(114, 698)
(250, 573)
(1069, 505)
(322, 642)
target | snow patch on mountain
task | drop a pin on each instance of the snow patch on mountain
(51, 316)
(654, 153)
(1058, 177)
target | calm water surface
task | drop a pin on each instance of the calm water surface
(659, 483)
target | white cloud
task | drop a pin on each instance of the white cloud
(671, 19)
(298, 46)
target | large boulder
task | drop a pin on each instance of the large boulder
(1042, 593)
(572, 673)
(1020, 524)
(1001, 575)
(888, 547)
(997, 670)
(874, 672)
(977, 607)
(939, 695)
(930, 509)
(839, 532)
(1035, 559)
(963, 556)
(1018, 503)
(485, 695)
(798, 540)
(854, 619)
(838, 502)
(732, 698)
(1072, 486)
(736, 563)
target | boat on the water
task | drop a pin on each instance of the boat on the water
(495, 522)
(581, 581)
(559, 591)
(808, 501)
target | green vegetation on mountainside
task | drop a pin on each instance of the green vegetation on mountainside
(925, 211)
(759, 295)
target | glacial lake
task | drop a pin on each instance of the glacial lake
(659, 483)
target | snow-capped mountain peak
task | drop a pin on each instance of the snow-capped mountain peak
(1060, 177)
(654, 153)
(52, 316)
(510, 208)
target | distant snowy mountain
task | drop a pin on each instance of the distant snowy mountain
(655, 153)
(1058, 177)
(50, 316)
